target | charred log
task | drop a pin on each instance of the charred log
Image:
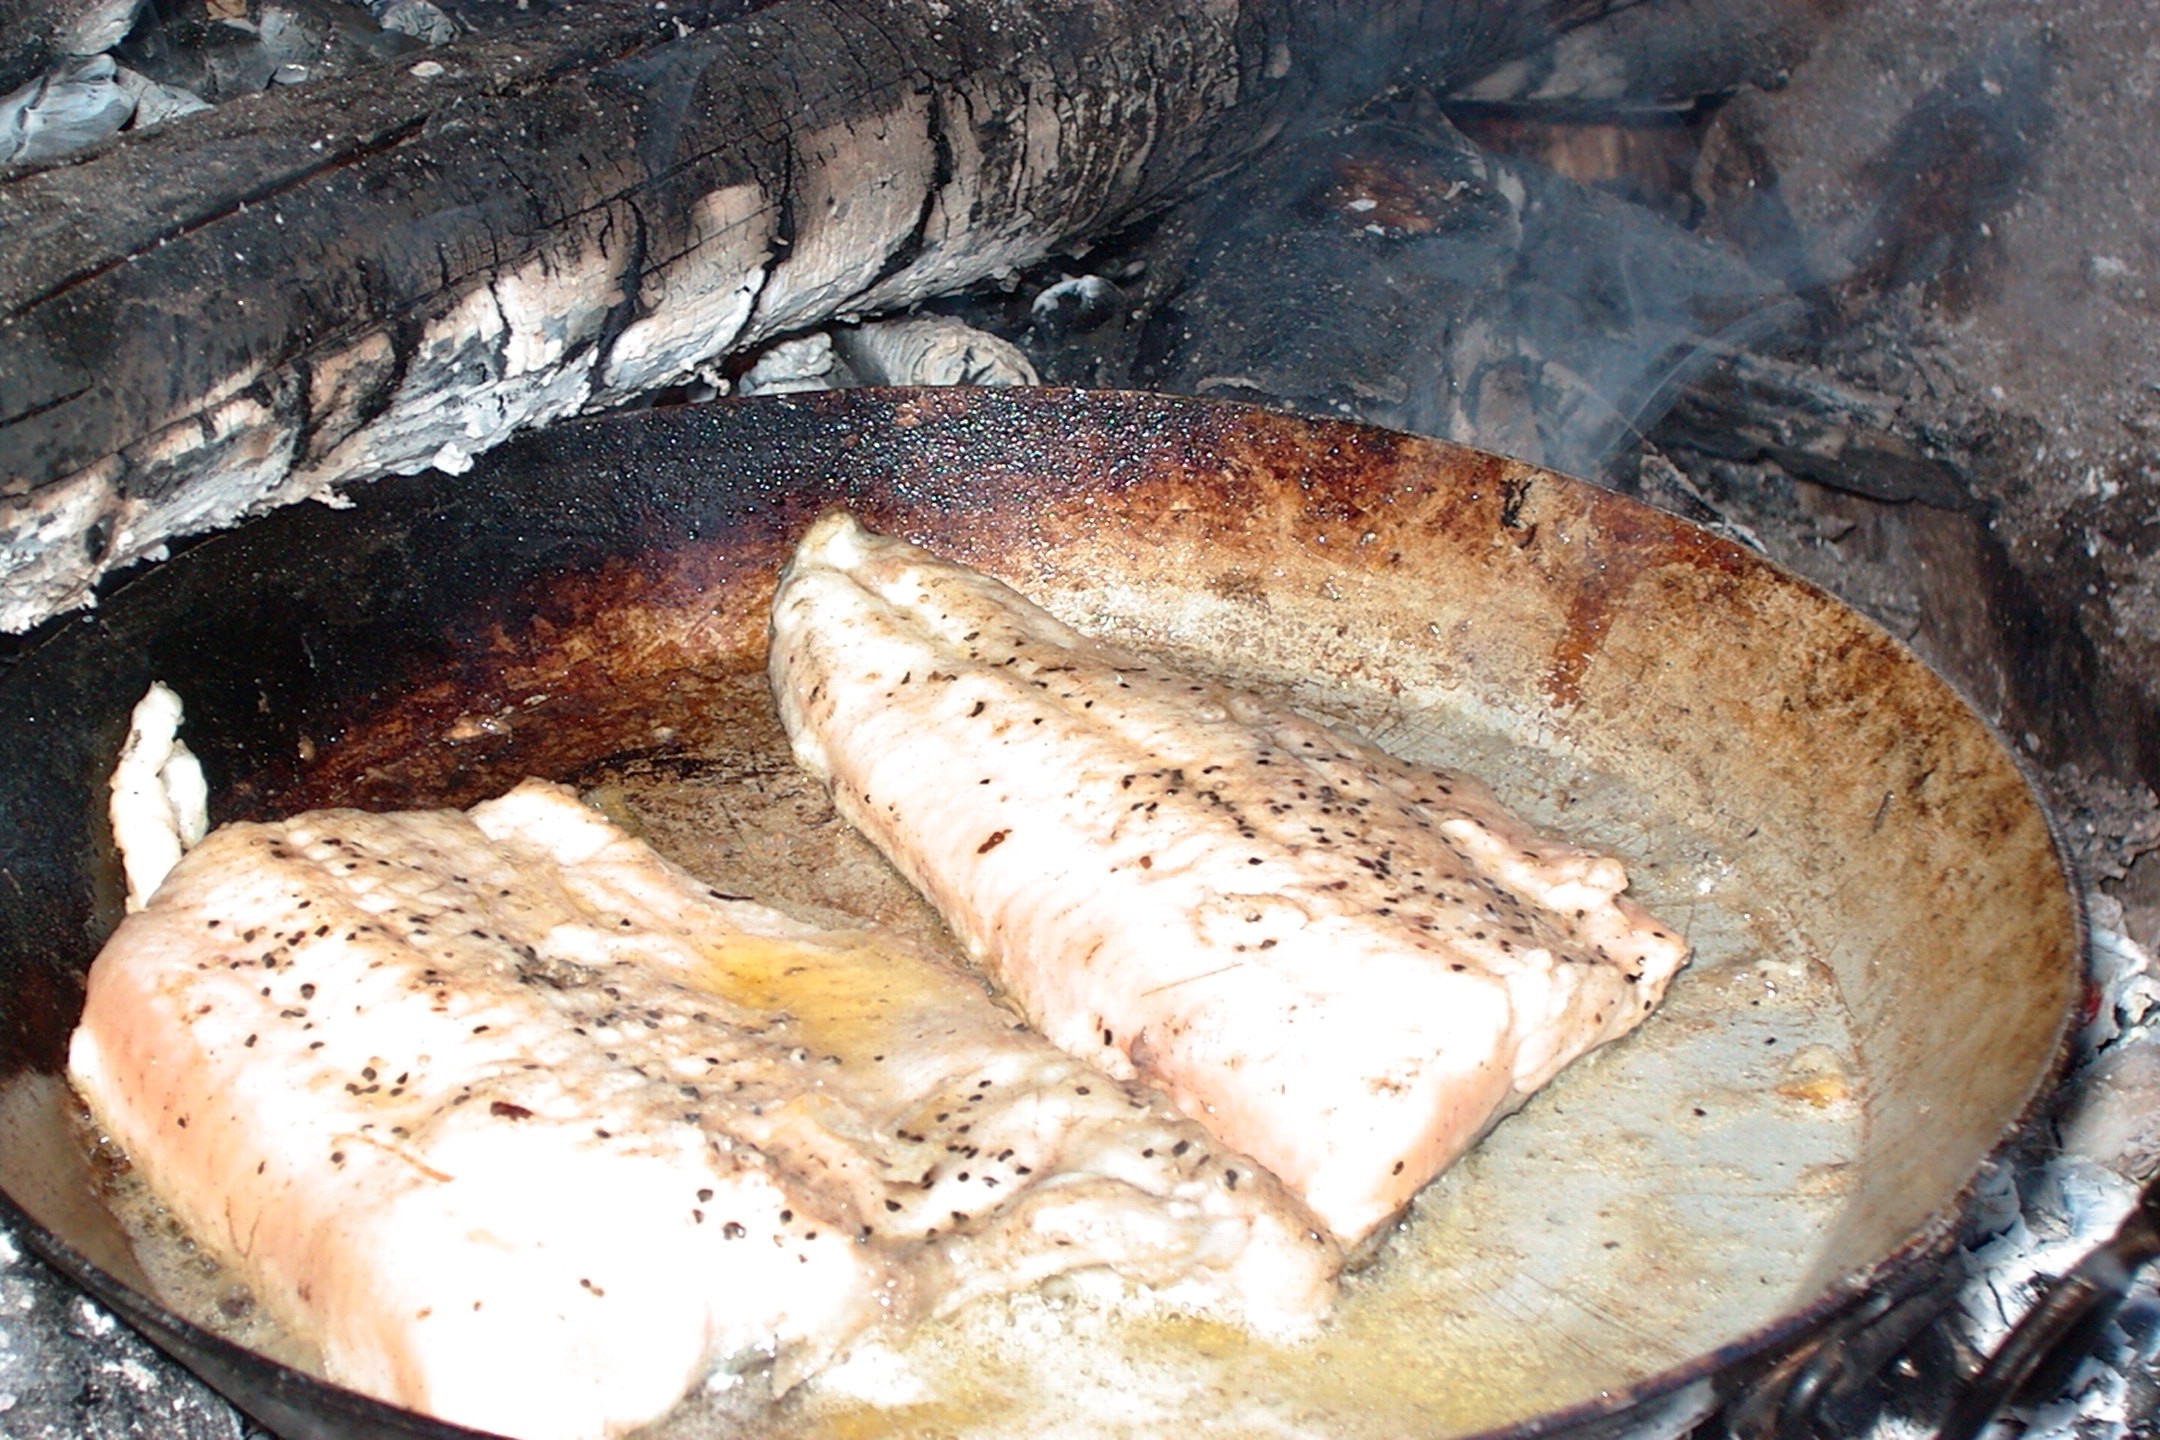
(1399, 274)
(1646, 159)
(402, 266)
(205, 49)
(1663, 53)
(1956, 163)
(1818, 429)
(1332, 276)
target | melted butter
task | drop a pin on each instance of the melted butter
(833, 989)
(1087, 1364)
(847, 996)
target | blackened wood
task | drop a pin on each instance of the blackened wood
(190, 45)
(1820, 429)
(1664, 53)
(404, 266)
(1397, 274)
(1960, 158)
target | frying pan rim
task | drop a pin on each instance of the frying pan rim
(1783, 1336)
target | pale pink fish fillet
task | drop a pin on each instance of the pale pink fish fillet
(1341, 964)
(528, 1129)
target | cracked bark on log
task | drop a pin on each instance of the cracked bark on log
(403, 266)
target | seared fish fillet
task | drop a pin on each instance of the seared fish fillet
(528, 1129)
(1342, 965)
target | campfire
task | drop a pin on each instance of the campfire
(1861, 286)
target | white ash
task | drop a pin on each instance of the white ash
(2117, 1112)
(932, 350)
(75, 105)
(417, 18)
(695, 306)
(2053, 1214)
(69, 1371)
(792, 367)
(157, 102)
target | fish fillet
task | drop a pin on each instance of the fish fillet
(527, 1129)
(1341, 964)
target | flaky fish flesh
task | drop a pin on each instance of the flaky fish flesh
(527, 1129)
(1342, 964)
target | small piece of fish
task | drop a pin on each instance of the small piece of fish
(159, 803)
(1341, 964)
(526, 1128)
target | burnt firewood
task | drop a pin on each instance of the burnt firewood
(1333, 277)
(1620, 311)
(1396, 273)
(1816, 428)
(404, 265)
(203, 48)
(1738, 195)
(1956, 162)
(1662, 53)
(1625, 103)
(1646, 158)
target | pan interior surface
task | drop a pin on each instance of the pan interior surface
(1641, 1210)
(1885, 946)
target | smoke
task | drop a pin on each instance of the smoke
(1395, 272)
